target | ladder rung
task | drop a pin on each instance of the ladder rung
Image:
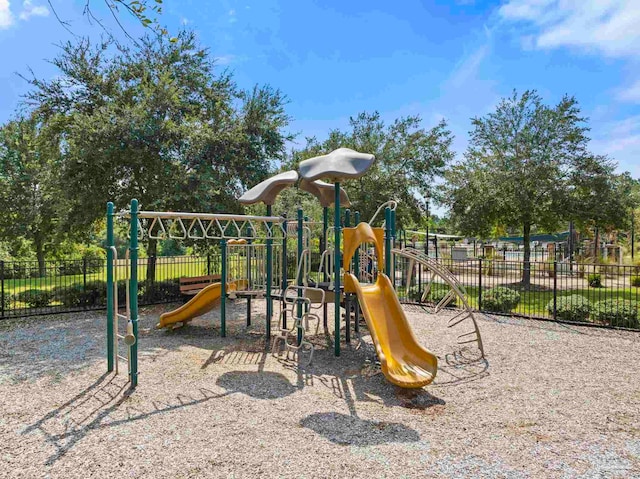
(123, 358)
(451, 325)
(467, 334)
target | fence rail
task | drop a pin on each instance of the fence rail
(605, 294)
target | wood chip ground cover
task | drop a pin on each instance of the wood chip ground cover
(550, 400)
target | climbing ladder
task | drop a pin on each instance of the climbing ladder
(436, 270)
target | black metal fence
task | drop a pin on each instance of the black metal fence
(604, 294)
(30, 289)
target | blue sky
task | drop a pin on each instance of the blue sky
(451, 59)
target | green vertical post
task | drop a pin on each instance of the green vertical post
(269, 278)
(133, 293)
(248, 256)
(336, 268)
(223, 289)
(325, 274)
(356, 257)
(347, 297)
(324, 246)
(356, 270)
(301, 269)
(387, 241)
(111, 314)
(284, 284)
(392, 271)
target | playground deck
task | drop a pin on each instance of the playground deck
(549, 401)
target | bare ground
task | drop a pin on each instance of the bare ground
(548, 401)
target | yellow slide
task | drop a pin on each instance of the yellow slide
(200, 304)
(405, 362)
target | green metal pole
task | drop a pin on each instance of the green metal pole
(325, 273)
(347, 297)
(356, 269)
(356, 257)
(248, 257)
(110, 312)
(325, 227)
(336, 268)
(299, 279)
(387, 241)
(393, 245)
(133, 293)
(269, 279)
(223, 289)
(284, 284)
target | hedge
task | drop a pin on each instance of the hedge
(617, 312)
(571, 308)
(500, 299)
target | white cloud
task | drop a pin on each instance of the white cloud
(610, 27)
(6, 18)
(29, 10)
(621, 140)
(467, 69)
(630, 93)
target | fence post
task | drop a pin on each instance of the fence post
(2, 289)
(208, 264)
(84, 280)
(555, 289)
(480, 284)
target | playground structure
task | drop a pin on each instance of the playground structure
(254, 265)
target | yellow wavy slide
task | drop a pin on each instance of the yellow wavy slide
(200, 304)
(404, 361)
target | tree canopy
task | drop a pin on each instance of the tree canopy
(528, 165)
(408, 158)
(155, 121)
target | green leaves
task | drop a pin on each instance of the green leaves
(157, 122)
(528, 163)
(409, 157)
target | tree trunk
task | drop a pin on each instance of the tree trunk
(596, 246)
(152, 248)
(39, 244)
(526, 267)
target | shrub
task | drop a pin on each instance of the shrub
(571, 308)
(617, 312)
(93, 294)
(35, 298)
(152, 292)
(69, 296)
(635, 281)
(595, 280)
(500, 299)
(6, 304)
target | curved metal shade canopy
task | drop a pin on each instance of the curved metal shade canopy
(268, 190)
(338, 165)
(324, 192)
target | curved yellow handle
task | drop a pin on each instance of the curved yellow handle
(354, 237)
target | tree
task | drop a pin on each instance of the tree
(528, 165)
(156, 122)
(29, 191)
(408, 157)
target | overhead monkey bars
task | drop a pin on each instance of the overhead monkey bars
(160, 225)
